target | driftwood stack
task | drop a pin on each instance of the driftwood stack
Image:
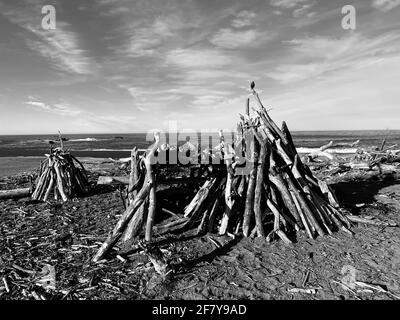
(264, 190)
(382, 159)
(59, 177)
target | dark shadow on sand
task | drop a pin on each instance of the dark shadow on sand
(362, 190)
(209, 257)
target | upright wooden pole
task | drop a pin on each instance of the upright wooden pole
(152, 196)
(249, 206)
(259, 188)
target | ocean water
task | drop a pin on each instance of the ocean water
(22, 148)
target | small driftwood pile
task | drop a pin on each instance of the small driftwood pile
(315, 155)
(60, 177)
(264, 190)
(384, 155)
(382, 159)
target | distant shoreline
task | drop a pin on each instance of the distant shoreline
(21, 164)
(10, 166)
(216, 132)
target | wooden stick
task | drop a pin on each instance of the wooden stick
(43, 182)
(290, 145)
(317, 204)
(123, 222)
(50, 188)
(281, 185)
(331, 211)
(229, 200)
(60, 182)
(248, 106)
(138, 219)
(133, 207)
(136, 223)
(283, 236)
(283, 153)
(249, 206)
(268, 119)
(133, 176)
(264, 155)
(212, 215)
(39, 184)
(358, 219)
(307, 225)
(282, 216)
(199, 198)
(151, 179)
(61, 140)
(329, 194)
(151, 214)
(274, 200)
(304, 205)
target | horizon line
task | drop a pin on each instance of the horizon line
(143, 132)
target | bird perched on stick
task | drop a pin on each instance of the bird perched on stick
(252, 85)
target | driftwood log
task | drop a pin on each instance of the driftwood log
(139, 199)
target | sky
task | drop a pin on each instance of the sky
(121, 66)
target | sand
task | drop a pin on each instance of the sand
(16, 165)
(67, 236)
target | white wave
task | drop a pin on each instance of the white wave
(304, 150)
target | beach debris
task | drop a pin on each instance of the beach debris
(105, 180)
(305, 278)
(60, 176)
(6, 286)
(47, 277)
(303, 290)
(345, 287)
(358, 219)
(376, 287)
(260, 183)
(363, 159)
(322, 151)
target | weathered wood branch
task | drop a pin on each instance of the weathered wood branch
(249, 205)
(262, 168)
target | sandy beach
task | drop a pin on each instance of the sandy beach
(67, 235)
(16, 165)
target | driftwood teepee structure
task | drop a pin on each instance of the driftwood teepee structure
(264, 190)
(60, 177)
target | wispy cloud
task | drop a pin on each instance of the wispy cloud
(243, 19)
(229, 38)
(304, 10)
(287, 4)
(332, 54)
(114, 119)
(145, 39)
(62, 109)
(385, 5)
(123, 65)
(195, 58)
(201, 75)
(148, 100)
(299, 8)
(61, 46)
